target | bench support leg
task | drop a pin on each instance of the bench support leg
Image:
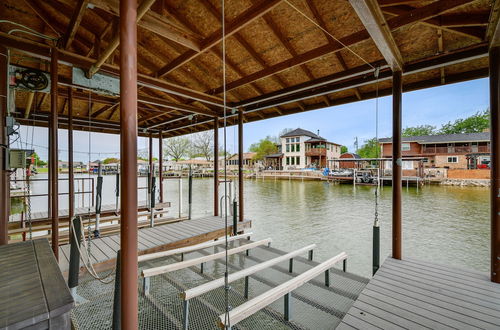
(290, 265)
(327, 277)
(185, 314)
(288, 306)
(245, 294)
(146, 282)
(311, 255)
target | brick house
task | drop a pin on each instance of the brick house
(302, 149)
(452, 151)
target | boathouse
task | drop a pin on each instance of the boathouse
(166, 68)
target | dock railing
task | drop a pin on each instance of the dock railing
(256, 304)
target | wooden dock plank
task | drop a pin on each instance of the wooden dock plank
(159, 238)
(414, 294)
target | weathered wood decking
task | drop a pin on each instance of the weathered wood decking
(412, 294)
(158, 238)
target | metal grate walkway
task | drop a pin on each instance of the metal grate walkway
(315, 306)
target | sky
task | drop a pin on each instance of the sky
(339, 124)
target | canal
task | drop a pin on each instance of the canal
(445, 224)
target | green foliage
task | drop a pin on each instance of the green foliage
(263, 148)
(110, 160)
(420, 130)
(146, 159)
(38, 161)
(343, 149)
(473, 124)
(370, 149)
(177, 148)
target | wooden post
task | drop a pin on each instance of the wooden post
(4, 173)
(160, 161)
(53, 156)
(495, 161)
(397, 89)
(216, 167)
(240, 164)
(71, 172)
(128, 154)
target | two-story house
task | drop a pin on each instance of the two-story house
(304, 149)
(454, 151)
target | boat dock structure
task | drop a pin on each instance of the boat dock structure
(161, 69)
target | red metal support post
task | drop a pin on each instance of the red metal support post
(128, 155)
(240, 165)
(151, 168)
(71, 172)
(4, 141)
(53, 155)
(397, 98)
(216, 167)
(160, 161)
(495, 161)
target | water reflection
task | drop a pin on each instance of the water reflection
(444, 224)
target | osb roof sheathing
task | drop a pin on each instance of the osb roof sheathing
(270, 40)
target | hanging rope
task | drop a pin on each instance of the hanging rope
(226, 245)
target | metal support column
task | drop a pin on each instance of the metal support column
(397, 90)
(4, 173)
(128, 156)
(53, 157)
(495, 161)
(216, 167)
(160, 165)
(71, 170)
(151, 167)
(240, 164)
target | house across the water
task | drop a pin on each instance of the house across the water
(452, 151)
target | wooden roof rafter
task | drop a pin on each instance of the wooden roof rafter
(493, 31)
(81, 5)
(411, 17)
(373, 19)
(234, 26)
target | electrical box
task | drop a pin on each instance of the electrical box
(17, 158)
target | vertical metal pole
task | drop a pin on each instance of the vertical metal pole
(235, 217)
(160, 161)
(180, 197)
(190, 193)
(117, 294)
(4, 174)
(240, 163)
(53, 159)
(495, 161)
(151, 167)
(128, 138)
(216, 167)
(376, 248)
(185, 314)
(71, 172)
(288, 306)
(247, 284)
(397, 90)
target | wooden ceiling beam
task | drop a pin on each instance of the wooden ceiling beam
(74, 23)
(374, 21)
(340, 59)
(461, 20)
(412, 17)
(493, 31)
(40, 13)
(40, 50)
(390, 3)
(242, 20)
(435, 22)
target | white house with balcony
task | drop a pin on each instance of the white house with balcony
(304, 149)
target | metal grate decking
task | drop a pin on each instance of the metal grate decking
(159, 238)
(411, 294)
(314, 305)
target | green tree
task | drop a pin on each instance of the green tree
(343, 149)
(370, 149)
(419, 130)
(38, 161)
(263, 148)
(177, 147)
(473, 124)
(110, 160)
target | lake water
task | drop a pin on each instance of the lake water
(445, 224)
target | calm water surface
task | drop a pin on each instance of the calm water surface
(448, 225)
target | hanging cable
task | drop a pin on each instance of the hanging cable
(324, 30)
(377, 71)
(224, 93)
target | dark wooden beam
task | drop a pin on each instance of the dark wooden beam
(411, 17)
(43, 51)
(40, 13)
(373, 19)
(493, 32)
(74, 23)
(242, 20)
